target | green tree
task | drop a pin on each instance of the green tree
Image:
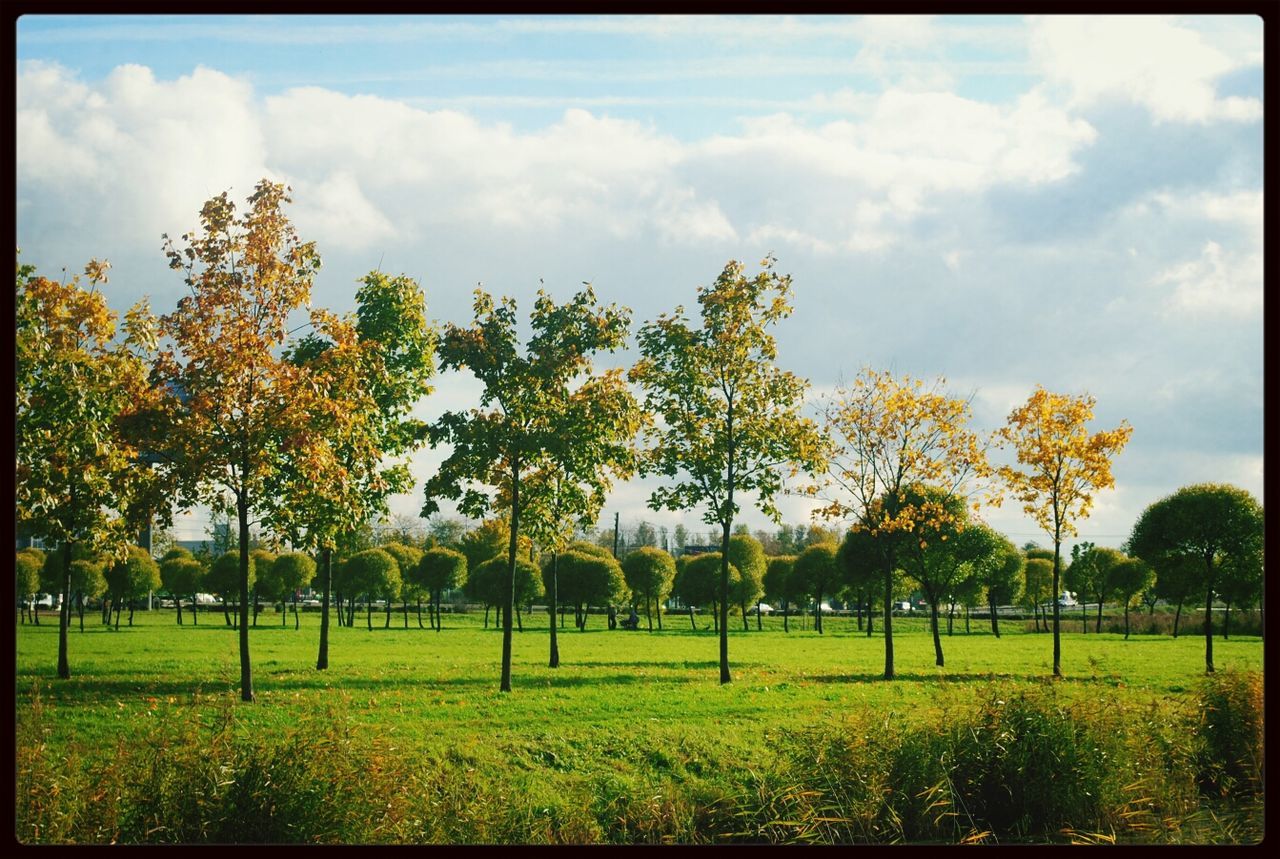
(132, 578)
(76, 385)
(998, 572)
(1095, 575)
(1037, 580)
(591, 579)
(407, 558)
(699, 584)
(651, 572)
(1128, 579)
(519, 422)
(1240, 583)
(30, 562)
(181, 575)
(375, 574)
(290, 573)
(730, 419)
(1060, 467)
(372, 373)
(439, 570)
(816, 573)
(223, 579)
(1214, 524)
(862, 559)
(778, 584)
(490, 583)
(746, 553)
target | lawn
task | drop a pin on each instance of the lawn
(639, 708)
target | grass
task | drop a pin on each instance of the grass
(632, 738)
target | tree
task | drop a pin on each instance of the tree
(778, 584)
(1061, 466)
(730, 419)
(861, 558)
(1090, 574)
(651, 572)
(1240, 583)
(290, 573)
(373, 573)
(244, 407)
(888, 434)
(591, 578)
(699, 583)
(1037, 577)
(223, 579)
(372, 373)
(440, 569)
(490, 583)
(1128, 579)
(816, 573)
(746, 553)
(998, 572)
(76, 385)
(1212, 524)
(29, 564)
(407, 558)
(88, 579)
(181, 575)
(519, 420)
(131, 578)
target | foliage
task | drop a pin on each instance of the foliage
(887, 435)
(729, 419)
(440, 569)
(135, 576)
(223, 577)
(29, 564)
(777, 579)
(407, 559)
(291, 572)
(489, 583)
(1208, 523)
(698, 584)
(817, 574)
(181, 574)
(373, 572)
(77, 468)
(1060, 467)
(522, 435)
(650, 573)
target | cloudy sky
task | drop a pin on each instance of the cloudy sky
(1074, 202)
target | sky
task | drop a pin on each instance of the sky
(1004, 202)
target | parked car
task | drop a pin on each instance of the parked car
(764, 608)
(1067, 599)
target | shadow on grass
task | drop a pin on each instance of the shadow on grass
(918, 677)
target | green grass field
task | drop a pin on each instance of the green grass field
(629, 715)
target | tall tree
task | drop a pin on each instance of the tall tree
(1060, 468)
(76, 384)
(888, 434)
(1210, 524)
(816, 573)
(731, 419)
(371, 371)
(518, 425)
(439, 570)
(242, 404)
(778, 584)
(1128, 578)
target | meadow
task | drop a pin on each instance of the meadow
(405, 738)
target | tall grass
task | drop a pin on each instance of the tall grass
(1018, 763)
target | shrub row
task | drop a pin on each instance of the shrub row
(1022, 764)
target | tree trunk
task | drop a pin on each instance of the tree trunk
(657, 606)
(786, 620)
(406, 613)
(951, 618)
(509, 597)
(195, 612)
(937, 640)
(888, 619)
(64, 612)
(745, 626)
(419, 611)
(297, 621)
(80, 607)
(722, 613)
(1208, 623)
(759, 622)
(1057, 589)
(486, 615)
(692, 623)
(284, 612)
(1126, 620)
(553, 658)
(387, 625)
(995, 620)
(966, 620)
(519, 622)
(1177, 615)
(1098, 626)
(226, 612)
(871, 616)
(326, 568)
(177, 600)
(1084, 619)
(132, 603)
(368, 612)
(1226, 622)
(246, 672)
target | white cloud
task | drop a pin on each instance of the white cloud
(1157, 62)
(1215, 283)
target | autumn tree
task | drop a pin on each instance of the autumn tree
(76, 384)
(242, 406)
(371, 370)
(650, 572)
(889, 434)
(519, 423)
(729, 419)
(1208, 524)
(1060, 466)
(440, 569)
